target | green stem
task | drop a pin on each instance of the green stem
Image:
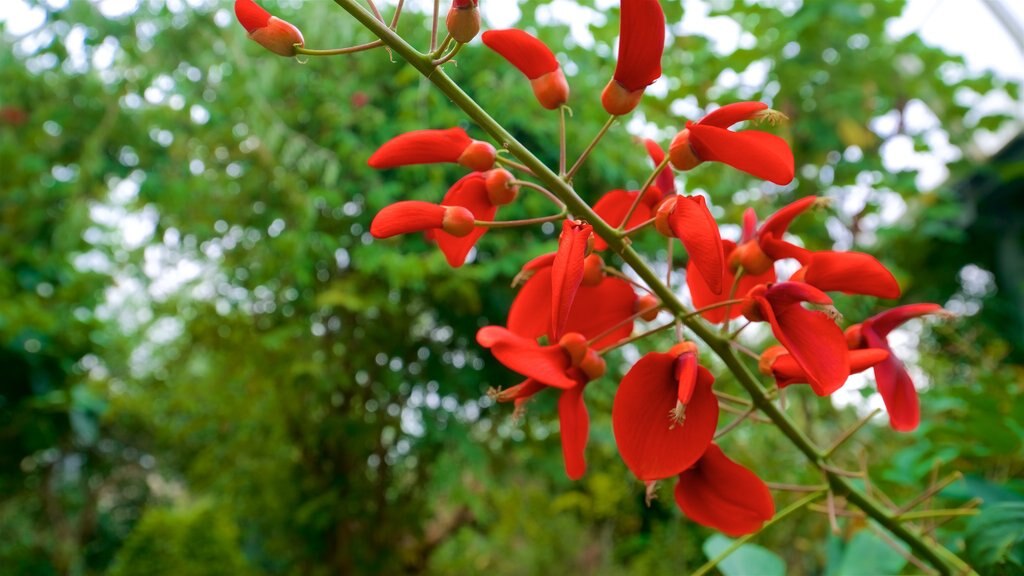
(338, 51)
(449, 55)
(590, 148)
(710, 565)
(541, 189)
(561, 141)
(518, 223)
(513, 164)
(942, 559)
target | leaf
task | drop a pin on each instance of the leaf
(745, 560)
(995, 538)
(866, 553)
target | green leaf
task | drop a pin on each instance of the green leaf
(745, 560)
(995, 538)
(868, 554)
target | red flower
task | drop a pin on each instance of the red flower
(470, 192)
(784, 368)
(463, 20)
(595, 310)
(569, 365)
(432, 146)
(535, 61)
(761, 246)
(415, 216)
(688, 218)
(846, 272)
(894, 384)
(665, 180)
(757, 153)
(703, 296)
(719, 493)
(812, 337)
(612, 208)
(665, 414)
(641, 42)
(567, 272)
(271, 32)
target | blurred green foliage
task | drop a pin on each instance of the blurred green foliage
(192, 310)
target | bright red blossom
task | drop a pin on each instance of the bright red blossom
(434, 146)
(719, 493)
(535, 61)
(415, 216)
(704, 296)
(757, 153)
(782, 366)
(688, 218)
(641, 42)
(567, 271)
(269, 31)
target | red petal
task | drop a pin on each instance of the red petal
(721, 494)
(469, 192)
(726, 116)
(757, 153)
(885, 322)
(702, 295)
(574, 427)
(421, 147)
(641, 42)
(786, 370)
(814, 339)
(250, 15)
(595, 309)
(895, 386)
(406, 216)
(520, 392)
(665, 180)
(648, 444)
(612, 208)
(779, 249)
(524, 51)
(749, 225)
(850, 273)
(777, 224)
(692, 222)
(567, 273)
(546, 364)
(686, 376)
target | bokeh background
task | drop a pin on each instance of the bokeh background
(207, 365)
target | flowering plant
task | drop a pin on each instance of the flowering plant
(581, 302)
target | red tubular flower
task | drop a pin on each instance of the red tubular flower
(463, 20)
(665, 413)
(535, 61)
(703, 296)
(761, 246)
(567, 272)
(641, 42)
(469, 192)
(612, 208)
(812, 337)
(433, 146)
(665, 181)
(847, 272)
(269, 31)
(688, 218)
(894, 384)
(415, 216)
(569, 365)
(595, 310)
(757, 153)
(719, 493)
(784, 368)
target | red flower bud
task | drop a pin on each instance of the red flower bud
(269, 31)
(434, 146)
(500, 189)
(463, 20)
(415, 216)
(647, 304)
(535, 61)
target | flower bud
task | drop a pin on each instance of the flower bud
(681, 153)
(271, 32)
(593, 365)
(617, 100)
(662, 216)
(750, 258)
(649, 305)
(575, 344)
(457, 221)
(500, 189)
(463, 20)
(551, 89)
(478, 156)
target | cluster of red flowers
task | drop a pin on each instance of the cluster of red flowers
(572, 307)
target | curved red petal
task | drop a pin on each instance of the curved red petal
(815, 341)
(787, 371)
(777, 249)
(527, 53)
(692, 222)
(686, 376)
(721, 494)
(749, 225)
(895, 386)
(470, 192)
(641, 42)
(648, 442)
(665, 181)
(546, 364)
(702, 295)
(777, 224)
(726, 116)
(850, 273)
(612, 208)
(567, 272)
(574, 427)
(405, 217)
(887, 321)
(251, 15)
(421, 147)
(759, 154)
